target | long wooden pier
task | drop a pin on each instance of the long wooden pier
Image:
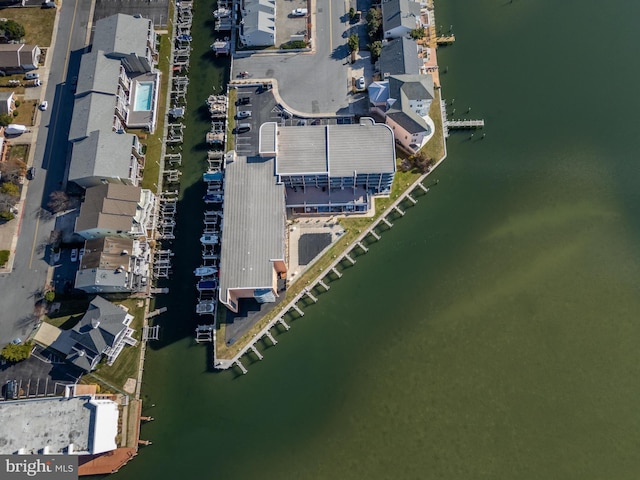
(453, 124)
(445, 39)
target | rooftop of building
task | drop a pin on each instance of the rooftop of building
(254, 225)
(336, 150)
(102, 154)
(30, 425)
(122, 34)
(109, 206)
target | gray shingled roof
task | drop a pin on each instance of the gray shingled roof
(92, 112)
(404, 88)
(97, 330)
(110, 205)
(399, 56)
(396, 13)
(259, 15)
(121, 34)
(254, 225)
(98, 74)
(415, 87)
(339, 150)
(101, 154)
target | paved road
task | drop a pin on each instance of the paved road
(19, 288)
(311, 83)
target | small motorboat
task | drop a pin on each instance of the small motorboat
(209, 239)
(184, 38)
(207, 285)
(213, 198)
(204, 271)
(205, 307)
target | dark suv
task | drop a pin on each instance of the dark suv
(31, 173)
(243, 101)
(11, 390)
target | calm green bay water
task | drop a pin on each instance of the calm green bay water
(493, 332)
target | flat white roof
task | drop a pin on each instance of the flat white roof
(30, 425)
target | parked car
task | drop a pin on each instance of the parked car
(31, 173)
(360, 84)
(243, 101)
(44, 105)
(80, 254)
(11, 390)
(243, 114)
(49, 4)
(31, 76)
(74, 255)
(299, 12)
(243, 127)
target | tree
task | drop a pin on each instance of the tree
(352, 13)
(12, 29)
(16, 353)
(5, 119)
(417, 33)
(376, 49)
(50, 296)
(374, 24)
(353, 42)
(58, 201)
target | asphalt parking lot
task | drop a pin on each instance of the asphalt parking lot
(155, 10)
(264, 108)
(42, 374)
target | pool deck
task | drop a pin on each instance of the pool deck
(144, 118)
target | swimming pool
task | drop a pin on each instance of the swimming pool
(144, 96)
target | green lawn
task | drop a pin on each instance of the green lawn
(37, 23)
(154, 141)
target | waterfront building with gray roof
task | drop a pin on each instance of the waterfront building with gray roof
(253, 237)
(399, 17)
(117, 89)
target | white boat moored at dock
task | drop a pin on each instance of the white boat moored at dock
(204, 271)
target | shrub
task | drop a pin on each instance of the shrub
(16, 113)
(10, 189)
(417, 33)
(6, 216)
(4, 257)
(17, 103)
(294, 44)
(5, 119)
(16, 353)
(50, 296)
